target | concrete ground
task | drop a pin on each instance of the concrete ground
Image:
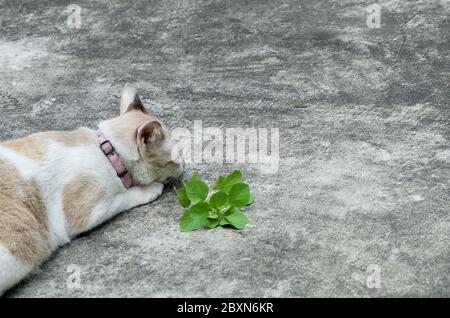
(360, 203)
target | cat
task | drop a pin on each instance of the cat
(56, 185)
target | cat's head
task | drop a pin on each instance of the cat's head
(143, 142)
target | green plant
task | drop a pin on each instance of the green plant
(219, 206)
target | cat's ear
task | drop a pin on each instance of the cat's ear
(130, 101)
(150, 135)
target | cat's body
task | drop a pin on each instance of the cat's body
(56, 185)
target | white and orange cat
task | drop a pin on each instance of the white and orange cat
(56, 185)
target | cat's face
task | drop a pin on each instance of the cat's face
(144, 142)
(155, 145)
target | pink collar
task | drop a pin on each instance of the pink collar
(113, 157)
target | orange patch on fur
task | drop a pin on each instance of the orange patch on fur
(80, 196)
(23, 218)
(35, 146)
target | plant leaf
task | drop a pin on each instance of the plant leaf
(200, 209)
(187, 223)
(182, 197)
(252, 199)
(231, 210)
(237, 219)
(220, 183)
(225, 183)
(239, 195)
(195, 176)
(218, 199)
(194, 218)
(196, 191)
(212, 223)
(224, 222)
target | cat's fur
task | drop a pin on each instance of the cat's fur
(56, 185)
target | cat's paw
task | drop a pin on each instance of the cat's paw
(153, 191)
(157, 187)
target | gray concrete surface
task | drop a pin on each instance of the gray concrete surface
(363, 184)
